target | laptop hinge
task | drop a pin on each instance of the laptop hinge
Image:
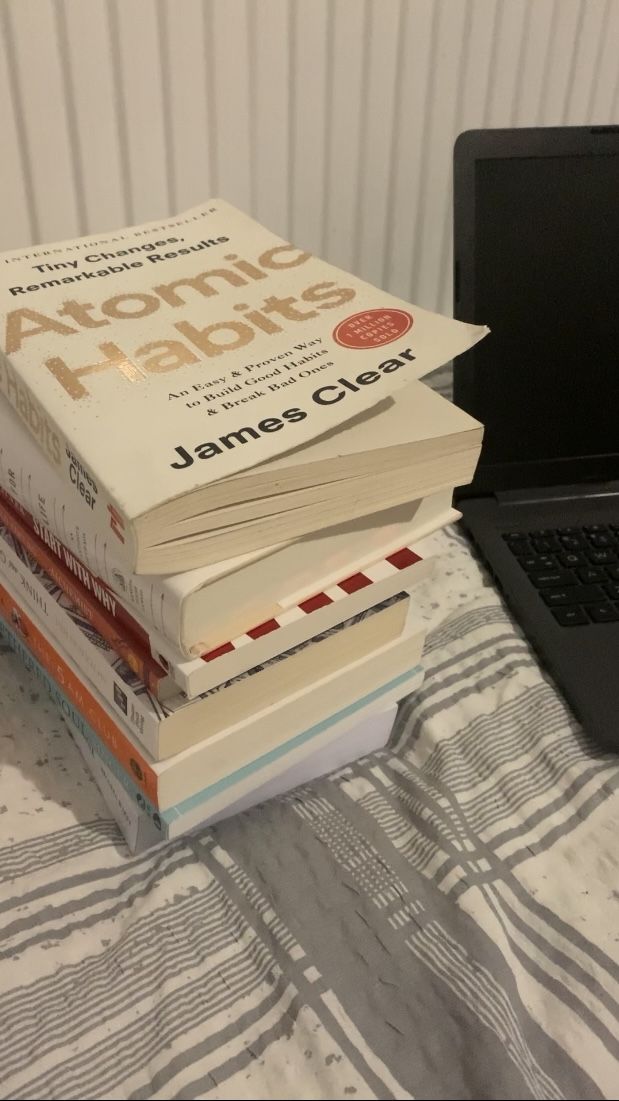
(585, 492)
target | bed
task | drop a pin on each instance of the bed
(440, 920)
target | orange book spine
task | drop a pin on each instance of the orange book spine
(136, 766)
(142, 664)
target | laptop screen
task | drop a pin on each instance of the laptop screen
(546, 280)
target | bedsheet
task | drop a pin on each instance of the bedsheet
(440, 920)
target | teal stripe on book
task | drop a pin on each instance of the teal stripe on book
(260, 762)
(66, 707)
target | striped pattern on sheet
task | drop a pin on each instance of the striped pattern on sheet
(439, 920)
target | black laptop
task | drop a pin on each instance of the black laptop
(536, 257)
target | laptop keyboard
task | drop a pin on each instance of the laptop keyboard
(575, 570)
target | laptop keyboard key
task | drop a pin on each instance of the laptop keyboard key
(554, 597)
(546, 545)
(583, 594)
(571, 567)
(570, 616)
(538, 562)
(573, 542)
(593, 574)
(518, 544)
(602, 557)
(602, 540)
(543, 579)
(576, 594)
(603, 613)
(572, 559)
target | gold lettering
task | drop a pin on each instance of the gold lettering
(258, 319)
(329, 295)
(112, 307)
(16, 331)
(171, 354)
(246, 267)
(78, 311)
(267, 259)
(199, 283)
(115, 358)
(202, 338)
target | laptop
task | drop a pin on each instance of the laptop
(536, 257)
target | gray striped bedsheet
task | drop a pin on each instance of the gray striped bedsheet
(441, 920)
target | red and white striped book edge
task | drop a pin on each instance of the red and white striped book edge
(378, 571)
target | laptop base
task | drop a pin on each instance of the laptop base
(580, 653)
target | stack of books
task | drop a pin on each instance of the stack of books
(217, 458)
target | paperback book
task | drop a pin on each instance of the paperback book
(230, 369)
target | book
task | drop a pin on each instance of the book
(237, 783)
(36, 574)
(369, 733)
(164, 728)
(402, 570)
(194, 612)
(427, 469)
(121, 639)
(321, 611)
(216, 392)
(163, 784)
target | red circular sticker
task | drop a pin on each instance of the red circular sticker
(372, 328)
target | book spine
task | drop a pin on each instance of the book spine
(103, 513)
(93, 658)
(133, 765)
(139, 829)
(399, 571)
(32, 484)
(88, 580)
(129, 648)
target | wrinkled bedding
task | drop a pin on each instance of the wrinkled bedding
(439, 921)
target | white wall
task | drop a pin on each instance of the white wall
(331, 120)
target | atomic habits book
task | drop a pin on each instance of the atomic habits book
(201, 384)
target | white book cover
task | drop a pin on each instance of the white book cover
(397, 572)
(165, 727)
(198, 347)
(231, 750)
(368, 733)
(55, 675)
(188, 614)
(77, 621)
